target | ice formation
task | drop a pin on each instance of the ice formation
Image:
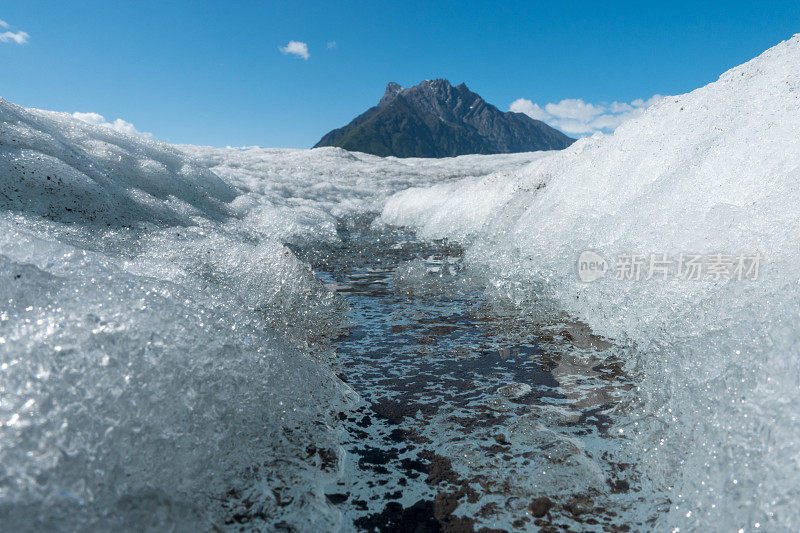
(712, 171)
(154, 328)
(307, 190)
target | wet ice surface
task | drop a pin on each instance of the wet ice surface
(147, 298)
(146, 301)
(472, 415)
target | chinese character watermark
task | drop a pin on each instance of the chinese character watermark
(716, 267)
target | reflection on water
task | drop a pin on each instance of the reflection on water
(473, 414)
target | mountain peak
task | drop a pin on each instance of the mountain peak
(436, 86)
(435, 119)
(392, 90)
(437, 83)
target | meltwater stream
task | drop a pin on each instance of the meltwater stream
(473, 414)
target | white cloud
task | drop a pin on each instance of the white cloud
(523, 105)
(621, 107)
(297, 48)
(577, 117)
(331, 45)
(19, 37)
(119, 125)
(574, 108)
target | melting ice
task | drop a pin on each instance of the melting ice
(156, 331)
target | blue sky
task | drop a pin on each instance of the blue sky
(212, 72)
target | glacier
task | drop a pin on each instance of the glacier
(165, 356)
(156, 332)
(712, 171)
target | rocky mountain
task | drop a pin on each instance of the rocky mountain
(435, 119)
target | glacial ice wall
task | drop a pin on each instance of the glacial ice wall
(144, 377)
(714, 171)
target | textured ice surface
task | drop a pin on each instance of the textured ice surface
(307, 190)
(142, 375)
(154, 327)
(712, 171)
